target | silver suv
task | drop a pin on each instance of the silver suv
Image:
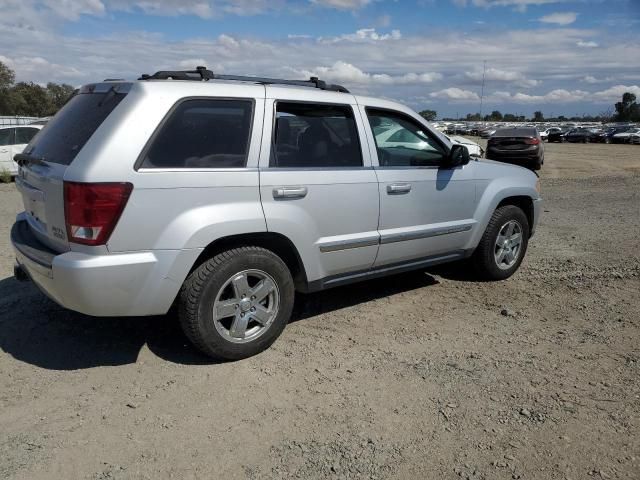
(225, 195)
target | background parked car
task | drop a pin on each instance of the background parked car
(625, 137)
(558, 135)
(607, 134)
(519, 146)
(544, 134)
(12, 141)
(580, 135)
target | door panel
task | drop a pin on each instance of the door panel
(424, 210)
(329, 213)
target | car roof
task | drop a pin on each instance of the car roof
(515, 132)
(4, 127)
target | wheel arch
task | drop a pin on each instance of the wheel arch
(275, 242)
(524, 203)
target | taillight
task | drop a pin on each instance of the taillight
(531, 141)
(91, 210)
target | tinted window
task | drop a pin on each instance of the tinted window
(203, 133)
(6, 136)
(401, 142)
(24, 135)
(311, 135)
(66, 134)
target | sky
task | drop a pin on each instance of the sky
(570, 57)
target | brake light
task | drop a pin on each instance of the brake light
(532, 141)
(92, 210)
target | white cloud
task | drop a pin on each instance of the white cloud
(364, 35)
(72, 9)
(345, 72)
(560, 18)
(590, 44)
(342, 4)
(565, 96)
(497, 75)
(518, 5)
(454, 93)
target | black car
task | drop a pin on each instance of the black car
(606, 136)
(580, 135)
(519, 146)
(558, 135)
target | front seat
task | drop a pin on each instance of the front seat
(315, 143)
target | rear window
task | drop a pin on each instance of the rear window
(71, 128)
(203, 133)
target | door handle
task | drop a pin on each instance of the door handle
(290, 192)
(4, 151)
(398, 188)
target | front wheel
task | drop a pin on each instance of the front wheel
(237, 303)
(503, 245)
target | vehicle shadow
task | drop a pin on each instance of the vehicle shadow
(35, 330)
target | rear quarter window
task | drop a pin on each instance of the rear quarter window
(202, 133)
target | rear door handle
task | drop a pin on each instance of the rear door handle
(290, 192)
(398, 188)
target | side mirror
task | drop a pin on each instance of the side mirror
(458, 156)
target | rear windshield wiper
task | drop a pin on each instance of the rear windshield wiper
(24, 159)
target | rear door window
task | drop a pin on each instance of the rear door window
(6, 136)
(66, 133)
(203, 133)
(315, 136)
(25, 134)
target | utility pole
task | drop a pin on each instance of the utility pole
(484, 72)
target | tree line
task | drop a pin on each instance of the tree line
(30, 99)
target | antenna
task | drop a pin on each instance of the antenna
(484, 72)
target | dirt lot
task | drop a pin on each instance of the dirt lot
(427, 375)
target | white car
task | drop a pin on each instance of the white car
(475, 150)
(399, 137)
(626, 137)
(13, 139)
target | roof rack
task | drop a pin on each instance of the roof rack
(203, 75)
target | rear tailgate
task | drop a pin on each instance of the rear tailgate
(509, 143)
(45, 160)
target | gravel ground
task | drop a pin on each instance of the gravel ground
(425, 375)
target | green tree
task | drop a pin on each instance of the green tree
(58, 95)
(628, 109)
(495, 116)
(538, 116)
(7, 77)
(429, 115)
(510, 117)
(474, 117)
(31, 100)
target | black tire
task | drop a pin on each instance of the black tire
(607, 140)
(483, 258)
(199, 292)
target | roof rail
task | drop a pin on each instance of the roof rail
(203, 75)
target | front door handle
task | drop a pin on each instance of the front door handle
(4, 151)
(398, 188)
(290, 192)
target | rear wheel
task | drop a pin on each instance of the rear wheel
(237, 303)
(503, 245)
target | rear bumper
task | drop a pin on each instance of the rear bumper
(124, 284)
